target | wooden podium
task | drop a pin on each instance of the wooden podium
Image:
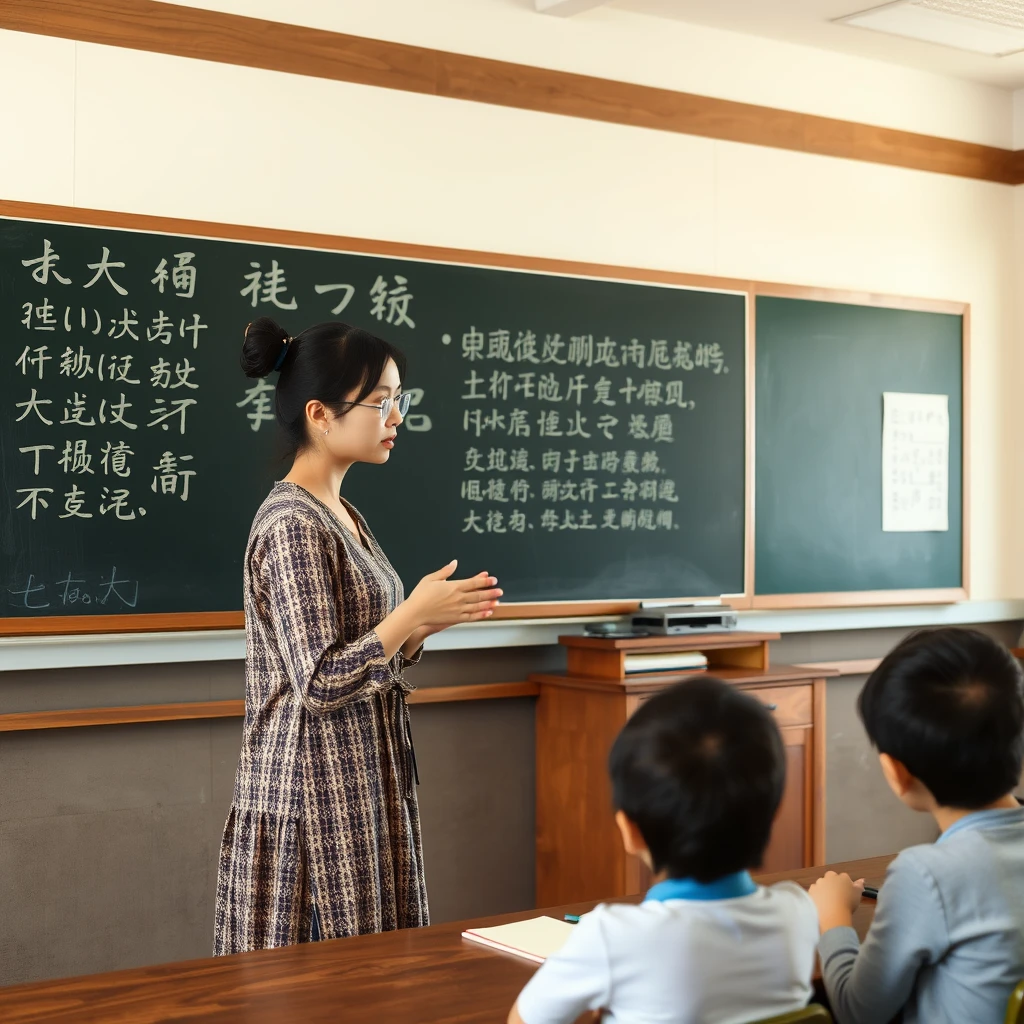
(579, 714)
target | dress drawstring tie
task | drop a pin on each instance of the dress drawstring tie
(400, 724)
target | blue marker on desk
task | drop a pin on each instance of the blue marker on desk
(573, 918)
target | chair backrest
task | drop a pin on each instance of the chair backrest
(1015, 1007)
(813, 1014)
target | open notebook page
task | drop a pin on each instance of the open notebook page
(535, 939)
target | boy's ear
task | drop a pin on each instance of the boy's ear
(632, 840)
(896, 774)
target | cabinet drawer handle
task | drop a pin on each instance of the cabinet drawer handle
(771, 707)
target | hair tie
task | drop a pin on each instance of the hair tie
(284, 354)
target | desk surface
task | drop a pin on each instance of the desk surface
(417, 975)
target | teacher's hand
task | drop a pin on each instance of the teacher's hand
(439, 601)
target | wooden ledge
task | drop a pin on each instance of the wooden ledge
(780, 675)
(192, 710)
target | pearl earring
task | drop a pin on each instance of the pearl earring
(327, 431)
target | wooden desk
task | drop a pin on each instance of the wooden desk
(415, 976)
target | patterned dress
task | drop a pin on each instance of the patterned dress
(324, 817)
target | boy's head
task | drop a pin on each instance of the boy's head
(698, 772)
(946, 706)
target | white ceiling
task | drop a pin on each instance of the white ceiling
(810, 22)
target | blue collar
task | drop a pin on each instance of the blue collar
(728, 887)
(985, 819)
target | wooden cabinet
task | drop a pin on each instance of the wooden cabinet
(579, 714)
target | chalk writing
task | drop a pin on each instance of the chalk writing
(268, 286)
(392, 303)
(112, 589)
(46, 264)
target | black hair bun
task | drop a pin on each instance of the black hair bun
(264, 344)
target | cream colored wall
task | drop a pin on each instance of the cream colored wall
(610, 43)
(116, 129)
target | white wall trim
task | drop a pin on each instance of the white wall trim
(69, 652)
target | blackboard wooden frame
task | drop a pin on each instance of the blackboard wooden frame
(186, 621)
(947, 595)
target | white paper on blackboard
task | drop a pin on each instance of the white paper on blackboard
(915, 463)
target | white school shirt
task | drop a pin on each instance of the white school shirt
(724, 953)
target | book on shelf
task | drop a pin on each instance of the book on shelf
(673, 661)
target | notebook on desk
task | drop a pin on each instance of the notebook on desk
(535, 939)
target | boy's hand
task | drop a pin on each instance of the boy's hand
(836, 897)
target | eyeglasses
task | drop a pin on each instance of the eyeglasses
(387, 404)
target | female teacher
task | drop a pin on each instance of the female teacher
(323, 836)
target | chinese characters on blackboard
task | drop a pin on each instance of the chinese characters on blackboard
(87, 392)
(564, 434)
(69, 336)
(134, 449)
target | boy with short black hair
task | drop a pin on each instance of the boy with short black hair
(697, 775)
(946, 713)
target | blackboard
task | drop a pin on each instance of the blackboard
(581, 438)
(821, 371)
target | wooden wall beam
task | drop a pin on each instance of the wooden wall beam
(295, 49)
(206, 709)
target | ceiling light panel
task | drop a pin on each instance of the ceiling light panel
(1009, 13)
(963, 24)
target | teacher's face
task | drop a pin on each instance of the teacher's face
(360, 434)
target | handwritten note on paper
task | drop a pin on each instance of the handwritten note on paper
(915, 463)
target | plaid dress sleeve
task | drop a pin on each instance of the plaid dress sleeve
(326, 671)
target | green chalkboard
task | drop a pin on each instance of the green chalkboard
(821, 371)
(581, 438)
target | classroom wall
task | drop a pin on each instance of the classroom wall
(111, 833)
(109, 836)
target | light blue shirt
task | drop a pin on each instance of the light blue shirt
(947, 941)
